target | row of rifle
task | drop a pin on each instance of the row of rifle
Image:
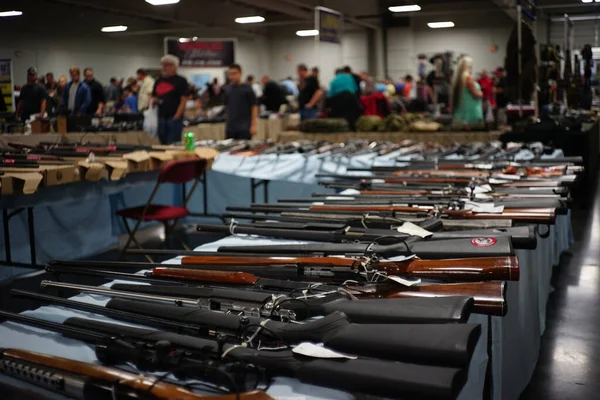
(406, 148)
(375, 299)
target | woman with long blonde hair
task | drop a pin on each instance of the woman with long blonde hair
(466, 93)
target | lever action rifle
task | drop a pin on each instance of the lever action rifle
(523, 237)
(489, 298)
(449, 345)
(84, 381)
(165, 351)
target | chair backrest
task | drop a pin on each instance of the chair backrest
(182, 171)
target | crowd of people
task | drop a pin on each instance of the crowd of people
(82, 94)
(349, 95)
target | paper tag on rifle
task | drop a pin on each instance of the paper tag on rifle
(351, 192)
(318, 351)
(401, 258)
(483, 208)
(483, 166)
(404, 281)
(482, 196)
(495, 181)
(377, 180)
(340, 198)
(414, 230)
(481, 189)
(508, 177)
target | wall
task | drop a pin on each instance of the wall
(473, 35)
(286, 51)
(108, 56)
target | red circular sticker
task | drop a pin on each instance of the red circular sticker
(483, 242)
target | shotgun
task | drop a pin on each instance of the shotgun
(165, 351)
(435, 250)
(491, 295)
(448, 345)
(523, 237)
(85, 381)
(469, 269)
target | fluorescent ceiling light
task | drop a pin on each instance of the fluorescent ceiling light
(578, 18)
(590, 1)
(162, 2)
(195, 38)
(309, 32)
(250, 20)
(184, 40)
(439, 25)
(400, 9)
(117, 28)
(10, 13)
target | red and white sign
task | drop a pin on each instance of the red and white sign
(483, 242)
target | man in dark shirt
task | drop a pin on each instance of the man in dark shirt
(240, 105)
(310, 93)
(33, 97)
(171, 92)
(98, 99)
(53, 99)
(273, 95)
(501, 102)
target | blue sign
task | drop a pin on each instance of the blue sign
(329, 25)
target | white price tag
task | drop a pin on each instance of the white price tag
(318, 351)
(401, 258)
(508, 177)
(404, 281)
(495, 181)
(482, 196)
(483, 208)
(378, 180)
(414, 230)
(482, 189)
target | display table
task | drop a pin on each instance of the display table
(443, 138)
(267, 129)
(514, 339)
(132, 137)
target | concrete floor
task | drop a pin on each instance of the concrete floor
(568, 365)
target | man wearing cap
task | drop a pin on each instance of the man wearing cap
(33, 97)
(171, 93)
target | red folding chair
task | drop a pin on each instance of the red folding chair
(178, 171)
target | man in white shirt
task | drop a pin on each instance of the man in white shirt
(146, 87)
(258, 92)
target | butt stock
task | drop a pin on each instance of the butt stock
(490, 297)
(157, 389)
(467, 269)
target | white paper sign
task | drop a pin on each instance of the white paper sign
(483, 208)
(414, 230)
(404, 281)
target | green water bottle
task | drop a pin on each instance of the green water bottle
(189, 141)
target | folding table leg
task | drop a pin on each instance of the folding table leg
(7, 250)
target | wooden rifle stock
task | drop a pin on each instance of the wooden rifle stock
(468, 269)
(490, 297)
(140, 383)
(232, 278)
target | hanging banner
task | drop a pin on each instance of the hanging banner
(202, 53)
(6, 86)
(329, 23)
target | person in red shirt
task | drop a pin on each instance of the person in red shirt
(487, 87)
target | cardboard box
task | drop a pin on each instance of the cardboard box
(53, 175)
(61, 124)
(117, 169)
(20, 182)
(91, 171)
(158, 159)
(138, 161)
(40, 126)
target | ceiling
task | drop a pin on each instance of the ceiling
(216, 17)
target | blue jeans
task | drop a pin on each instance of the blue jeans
(169, 130)
(309, 113)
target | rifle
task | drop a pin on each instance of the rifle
(449, 345)
(523, 237)
(156, 350)
(490, 295)
(458, 248)
(85, 381)
(469, 269)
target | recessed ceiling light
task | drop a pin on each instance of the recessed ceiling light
(10, 13)
(162, 2)
(116, 28)
(184, 40)
(308, 32)
(440, 25)
(250, 20)
(195, 38)
(400, 9)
